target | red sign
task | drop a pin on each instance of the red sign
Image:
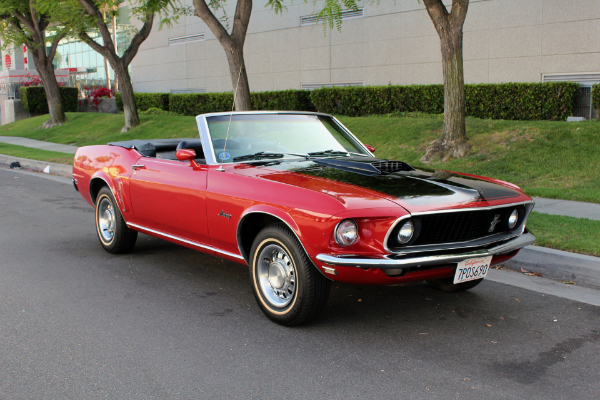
(25, 60)
(24, 48)
(7, 61)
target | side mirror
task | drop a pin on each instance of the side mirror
(187, 155)
(370, 148)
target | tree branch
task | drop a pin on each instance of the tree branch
(137, 40)
(52, 52)
(91, 9)
(241, 19)
(439, 15)
(215, 26)
(36, 27)
(459, 12)
(92, 43)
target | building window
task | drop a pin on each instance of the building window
(348, 14)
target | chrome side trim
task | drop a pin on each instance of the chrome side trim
(472, 208)
(442, 245)
(180, 239)
(387, 262)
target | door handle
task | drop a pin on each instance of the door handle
(137, 166)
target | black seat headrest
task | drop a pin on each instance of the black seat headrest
(195, 145)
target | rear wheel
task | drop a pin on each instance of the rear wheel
(287, 286)
(447, 285)
(113, 233)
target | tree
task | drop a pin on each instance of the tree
(449, 26)
(168, 11)
(28, 22)
(233, 44)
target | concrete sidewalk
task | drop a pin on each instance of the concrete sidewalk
(569, 208)
(39, 144)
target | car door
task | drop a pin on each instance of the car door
(170, 197)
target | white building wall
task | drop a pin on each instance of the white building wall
(504, 41)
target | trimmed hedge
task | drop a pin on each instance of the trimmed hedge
(513, 101)
(596, 96)
(34, 99)
(144, 101)
(200, 103)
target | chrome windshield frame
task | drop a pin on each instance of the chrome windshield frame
(206, 139)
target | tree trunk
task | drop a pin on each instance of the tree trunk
(55, 105)
(239, 79)
(454, 142)
(129, 107)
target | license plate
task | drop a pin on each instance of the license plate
(471, 269)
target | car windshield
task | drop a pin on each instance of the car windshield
(258, 136)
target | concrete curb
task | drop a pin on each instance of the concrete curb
(36, 165)
(557, 264)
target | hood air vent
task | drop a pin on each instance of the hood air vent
(392, 166)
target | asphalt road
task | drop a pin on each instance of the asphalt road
(166, 322)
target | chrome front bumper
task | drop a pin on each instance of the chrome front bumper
(419, 261)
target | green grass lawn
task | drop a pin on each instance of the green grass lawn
(35, 154)
(579, 235)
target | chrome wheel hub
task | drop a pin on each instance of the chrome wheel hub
(106, 220)
(276, 275)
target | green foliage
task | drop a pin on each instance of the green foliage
(284, 100)
(513, 101)
(200, 103)
(156, 111)
(144, 101)
(596, 96)
(521, 101)
(34, 100)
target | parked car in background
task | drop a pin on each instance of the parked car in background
(301, 201)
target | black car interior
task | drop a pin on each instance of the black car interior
(165, 149)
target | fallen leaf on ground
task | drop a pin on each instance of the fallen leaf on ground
(488, 325)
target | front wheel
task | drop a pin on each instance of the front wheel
(447, 285)
(114, 234)
(287, 286)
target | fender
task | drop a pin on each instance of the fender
(111, 185)
(274, 212)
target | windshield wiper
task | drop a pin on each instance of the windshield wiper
(258, 156)
(267, 154)
(328, 153)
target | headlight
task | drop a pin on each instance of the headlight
(406, 232)
(346, 233)
(513, 218)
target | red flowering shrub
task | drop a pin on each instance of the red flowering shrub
(36, 81)
(99, 93)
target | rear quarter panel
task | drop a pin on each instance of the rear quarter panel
(112, 164)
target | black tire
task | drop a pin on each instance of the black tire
(446, 285)
(123, 238)
(310, 288)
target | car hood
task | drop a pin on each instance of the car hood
(415, 190)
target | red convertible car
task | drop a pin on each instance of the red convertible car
(301, 201)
